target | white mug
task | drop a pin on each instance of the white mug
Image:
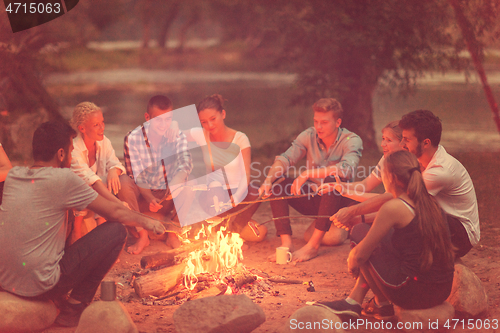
(283, 255)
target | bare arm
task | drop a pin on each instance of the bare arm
(113, 211)
(277, 170)
(390, 215)
(344, 218)
(5, 165)
(102, 190)
(358, 191)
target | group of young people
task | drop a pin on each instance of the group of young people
(404, 240)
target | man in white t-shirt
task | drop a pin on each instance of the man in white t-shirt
(444, 176)
(35, 262)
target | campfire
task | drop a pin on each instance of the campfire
(209, 265)
(221, 253)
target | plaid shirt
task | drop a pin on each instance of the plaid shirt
(152, 167)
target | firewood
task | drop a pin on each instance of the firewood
(168, 258)
(160, 282)
(212, 291)
(241, 276)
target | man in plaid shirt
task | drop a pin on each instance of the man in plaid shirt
(156, 165)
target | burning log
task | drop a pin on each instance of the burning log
(241, 276)
(212, 291)
(160, 282)
(168, 258)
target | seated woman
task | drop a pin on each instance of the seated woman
(220, 153)
(406, 257)
(360, 191)
(5, 166)
(93, 158)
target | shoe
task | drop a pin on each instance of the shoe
(70, 314)
(384, 312)
(341, 307)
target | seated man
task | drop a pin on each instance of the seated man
(153, 162)
(35, 263)
(444, 176)
(5, 166)
(330, 150)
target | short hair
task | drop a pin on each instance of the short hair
(161, 102)
(215, 102)
(425, 124)
(393, 126)
(49, 137)
(327, 105)
(81, 113)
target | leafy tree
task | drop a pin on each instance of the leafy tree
(344, 48)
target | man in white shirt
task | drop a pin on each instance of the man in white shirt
(444, 176)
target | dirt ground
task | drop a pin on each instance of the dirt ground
(328, 272)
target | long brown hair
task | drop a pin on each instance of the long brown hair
(430, 218)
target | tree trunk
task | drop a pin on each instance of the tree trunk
(475, 52)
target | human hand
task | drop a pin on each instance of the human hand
(172, 132)
(125, 204)
(342, 219)
(114, 184)
(265, 189)
(156, 227)
(154, 205)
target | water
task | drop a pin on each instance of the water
(259, 104)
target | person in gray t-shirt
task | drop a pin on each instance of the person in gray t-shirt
(35, 262)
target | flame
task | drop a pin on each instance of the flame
(220, 253)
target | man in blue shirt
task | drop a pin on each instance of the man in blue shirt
(330, 151)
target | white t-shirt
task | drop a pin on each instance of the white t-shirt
(33, 226)
(449, 182)
(225, 157)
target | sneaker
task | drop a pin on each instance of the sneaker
(70, 314)
(384, 312)
(341, 307)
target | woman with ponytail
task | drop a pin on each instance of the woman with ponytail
(406, 257)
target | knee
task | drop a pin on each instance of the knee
(126, 183)
(115, 232)
(334, 236)
(359, 232)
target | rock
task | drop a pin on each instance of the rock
(219, 314)
(468, 295)
(313, 319)
(106, 317)
(21, 315)
(429, 319)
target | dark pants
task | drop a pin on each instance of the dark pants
(86, 262)
(459, 237)
(327, 205)
(384, 268)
